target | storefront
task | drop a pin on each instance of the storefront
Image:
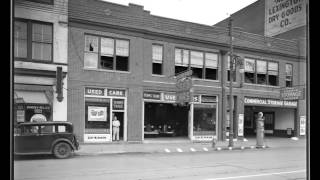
(31, 106)
(164, 117)
(280, 116)
(101, 104)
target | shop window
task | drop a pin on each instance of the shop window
(181, 60)
(38, 35)
(261, 72)
(106, 53)
(211, 66)
(228, 71)
(97, 118)
(204, 120)
(289, 75)
(273, 73)
(249, 69)
(157, 59)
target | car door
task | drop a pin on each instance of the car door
(27, 140)
(46, 137)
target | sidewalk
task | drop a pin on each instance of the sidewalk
(179, 146)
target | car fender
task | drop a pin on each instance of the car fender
(63, 140)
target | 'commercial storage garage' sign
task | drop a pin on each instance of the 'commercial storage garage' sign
(283, 15)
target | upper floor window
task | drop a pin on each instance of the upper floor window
(106, 53)
(203, 65)
(157, 59)
(261, 72)
(289, 75)
(42, 1)
(33, 40)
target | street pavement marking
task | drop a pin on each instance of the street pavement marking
(167, 150)
(193, 150)
(255, 175)
(205, 149)
(179, 150)
(252, 147)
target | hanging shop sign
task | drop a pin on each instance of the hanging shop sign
(97, 138)
(94, 91)
(96, 113)
(118, 104)
(152, 95)
(169, 97)
(292, 93)
(240, 125)
(116, 92)
(282, 16)
(208, 99)
(32, 109)
(270, 102)
(302, 125)
(196, 98)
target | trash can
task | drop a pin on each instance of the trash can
(289, 132)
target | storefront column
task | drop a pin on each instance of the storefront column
(240, 113)
(134, 114)
(223, 111)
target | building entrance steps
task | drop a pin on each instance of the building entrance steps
(180, 146)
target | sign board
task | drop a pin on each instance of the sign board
(116, 92)
(118, 104)
(240, 125)
(196, 98)
(302, 125)
(282, 16)
(184, 97)
(292, 93)
(38, 118)
(208, 99)
(270, 102)
(203, 138)
(97, 138)
(96, 113)
(94, 91)
(152, 95)
(169, 97)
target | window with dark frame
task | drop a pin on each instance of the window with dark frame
(204, 65)
(273, 73)
(289, 72)
(249, 70)
(33, 40)
(106, 53)
(157, 59)
(261, 72)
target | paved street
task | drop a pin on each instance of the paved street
(272, 163)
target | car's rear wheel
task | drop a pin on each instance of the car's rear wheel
(62, 150)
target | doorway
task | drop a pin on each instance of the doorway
(120, 117)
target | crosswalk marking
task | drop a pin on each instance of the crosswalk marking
(179, 150)
(193, 150)
(205, 149)
(167, 150)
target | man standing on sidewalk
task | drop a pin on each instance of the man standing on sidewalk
(115, 128)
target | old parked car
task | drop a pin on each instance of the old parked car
(52, 137)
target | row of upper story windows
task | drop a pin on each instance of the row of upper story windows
(33, 41)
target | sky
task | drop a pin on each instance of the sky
(208, 12)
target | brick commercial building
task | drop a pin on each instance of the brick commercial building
(40, 49)
(123, 61)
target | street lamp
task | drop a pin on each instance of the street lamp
(230, 88)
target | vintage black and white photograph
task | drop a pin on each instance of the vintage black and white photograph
(157, 90)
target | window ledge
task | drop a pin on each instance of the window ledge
(157, 75)
(262, 85)
(104, 70)
(208, 80)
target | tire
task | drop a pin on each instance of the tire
(62, 150)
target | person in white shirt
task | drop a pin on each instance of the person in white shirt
(115, 128)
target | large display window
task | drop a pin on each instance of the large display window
(97, 118)
(204, 120)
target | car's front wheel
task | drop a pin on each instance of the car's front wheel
(62, 150)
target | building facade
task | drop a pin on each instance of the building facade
(124, 62)
(40, 56)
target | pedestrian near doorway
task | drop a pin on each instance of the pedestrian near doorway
(115, 128)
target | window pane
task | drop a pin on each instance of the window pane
(122, 63)
(20, 48)
(61, 128)
(273, 80)
(107, 46)
(248, 77)
(41, 51)
(211, 74)
(272, 66)
(122, 48)
(20, 30)
(197, 72)
(261, 78)
(90, 60)
(42, 33)
(288, 83)
(249, 65)
(156, 54)
(211, 60)
(47, 129)
(196, 59)
(91, 43)
(179, 69)
(228, 63)
(106, 62)
(177, 58)
(261, 67)
(185, 58)
(156, 68)
(288, 70)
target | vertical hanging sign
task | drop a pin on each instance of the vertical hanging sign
(240, 125)
(302, 125)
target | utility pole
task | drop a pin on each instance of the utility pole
(230, 88)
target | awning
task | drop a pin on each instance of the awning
(32, 97)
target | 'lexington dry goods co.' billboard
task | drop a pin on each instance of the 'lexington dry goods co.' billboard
(283, 15)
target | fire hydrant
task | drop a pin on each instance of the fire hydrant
(260, 130)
